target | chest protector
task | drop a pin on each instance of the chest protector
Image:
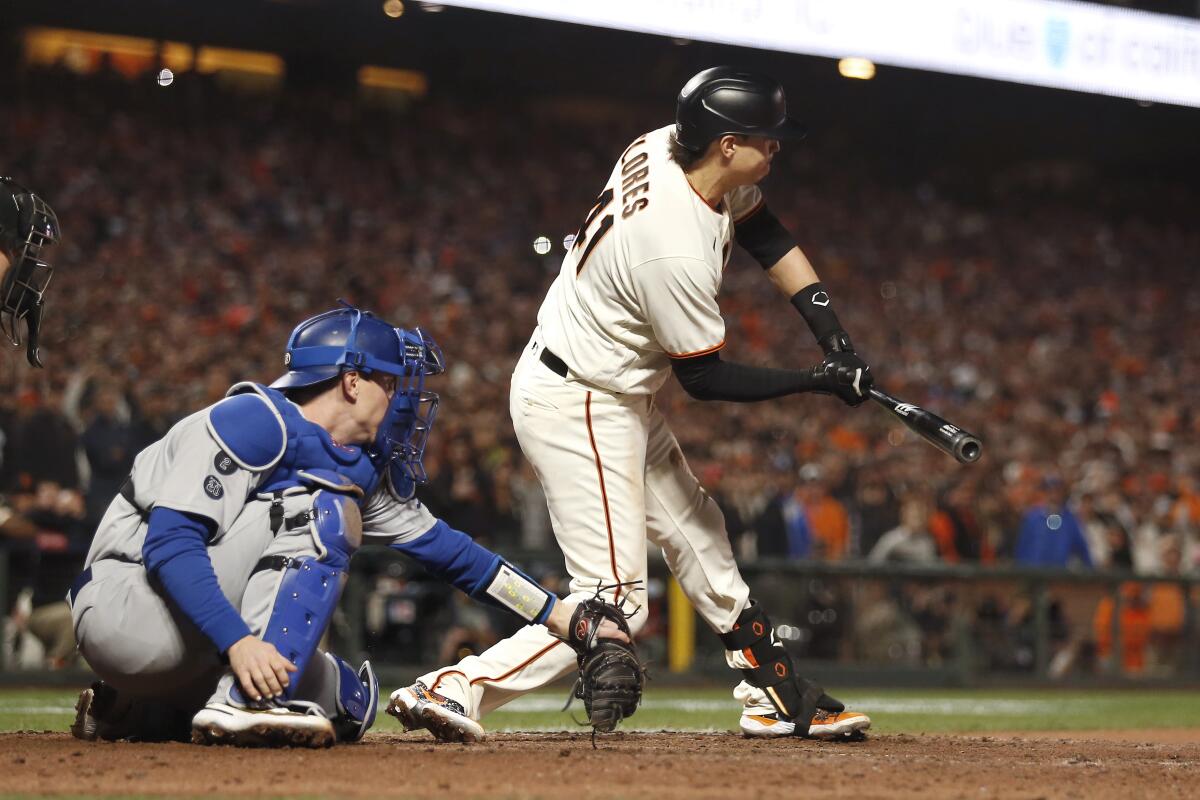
(263, 431)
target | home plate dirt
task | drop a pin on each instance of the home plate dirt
(662, 766)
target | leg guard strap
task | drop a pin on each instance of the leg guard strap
(771, 669)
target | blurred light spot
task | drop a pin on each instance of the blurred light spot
(681, 42)
(787, 633)
(1145, 103)
(895, 437)
(887, 290)
(433, 8)
(541, 245)
(1054, 522)
(393, 80)
(393, 8)
(568, 241)
(859, 68)
(165, 77)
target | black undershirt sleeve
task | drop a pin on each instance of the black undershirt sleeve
(763, 236)
(707, 377)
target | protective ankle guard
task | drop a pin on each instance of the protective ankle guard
(772, 669)
(357, 699)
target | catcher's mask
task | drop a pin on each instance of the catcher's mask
(348, 338)
(404, 431)
(27, 225)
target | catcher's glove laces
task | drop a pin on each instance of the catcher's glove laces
(610, 675)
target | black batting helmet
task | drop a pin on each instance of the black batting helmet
(722, 100)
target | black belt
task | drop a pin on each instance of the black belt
(556, 364)
(85, 577)
(77, 585)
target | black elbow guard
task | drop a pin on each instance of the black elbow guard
(763, 236)
(693, 373)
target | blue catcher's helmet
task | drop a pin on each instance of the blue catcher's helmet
(324, 346)
(348, 338)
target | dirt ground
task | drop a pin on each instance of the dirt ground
(661, 766)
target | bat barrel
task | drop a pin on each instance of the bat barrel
(963, 446)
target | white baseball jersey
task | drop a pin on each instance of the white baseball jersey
(639, 285)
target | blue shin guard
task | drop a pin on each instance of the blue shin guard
(304, 605)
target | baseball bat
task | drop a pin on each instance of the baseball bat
(952, 440)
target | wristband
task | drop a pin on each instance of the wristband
(514, 590)
(813, 304)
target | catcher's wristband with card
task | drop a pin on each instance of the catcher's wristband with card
(454, 557)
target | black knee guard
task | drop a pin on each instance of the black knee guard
(772, 669)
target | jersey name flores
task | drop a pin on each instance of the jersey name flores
(639, 284)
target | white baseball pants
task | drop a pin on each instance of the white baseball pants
(614, 478)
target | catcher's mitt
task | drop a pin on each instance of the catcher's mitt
(610, 675)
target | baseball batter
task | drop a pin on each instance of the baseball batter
(27, 226)
(635, 301)
(215, 571)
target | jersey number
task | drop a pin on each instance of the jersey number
(582, 239)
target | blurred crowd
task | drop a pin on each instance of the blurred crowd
(1047, 308)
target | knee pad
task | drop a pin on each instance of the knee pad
(336, 526)
(767, 665)
(357, 699)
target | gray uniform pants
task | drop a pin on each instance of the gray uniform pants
(138, 642)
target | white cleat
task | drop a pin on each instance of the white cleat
(765, 726)
(825, 725)
(218, 723)
(417, 707)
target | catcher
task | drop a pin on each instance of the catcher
(216, 570)
(27, 225)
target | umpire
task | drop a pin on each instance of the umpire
(27, 226)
